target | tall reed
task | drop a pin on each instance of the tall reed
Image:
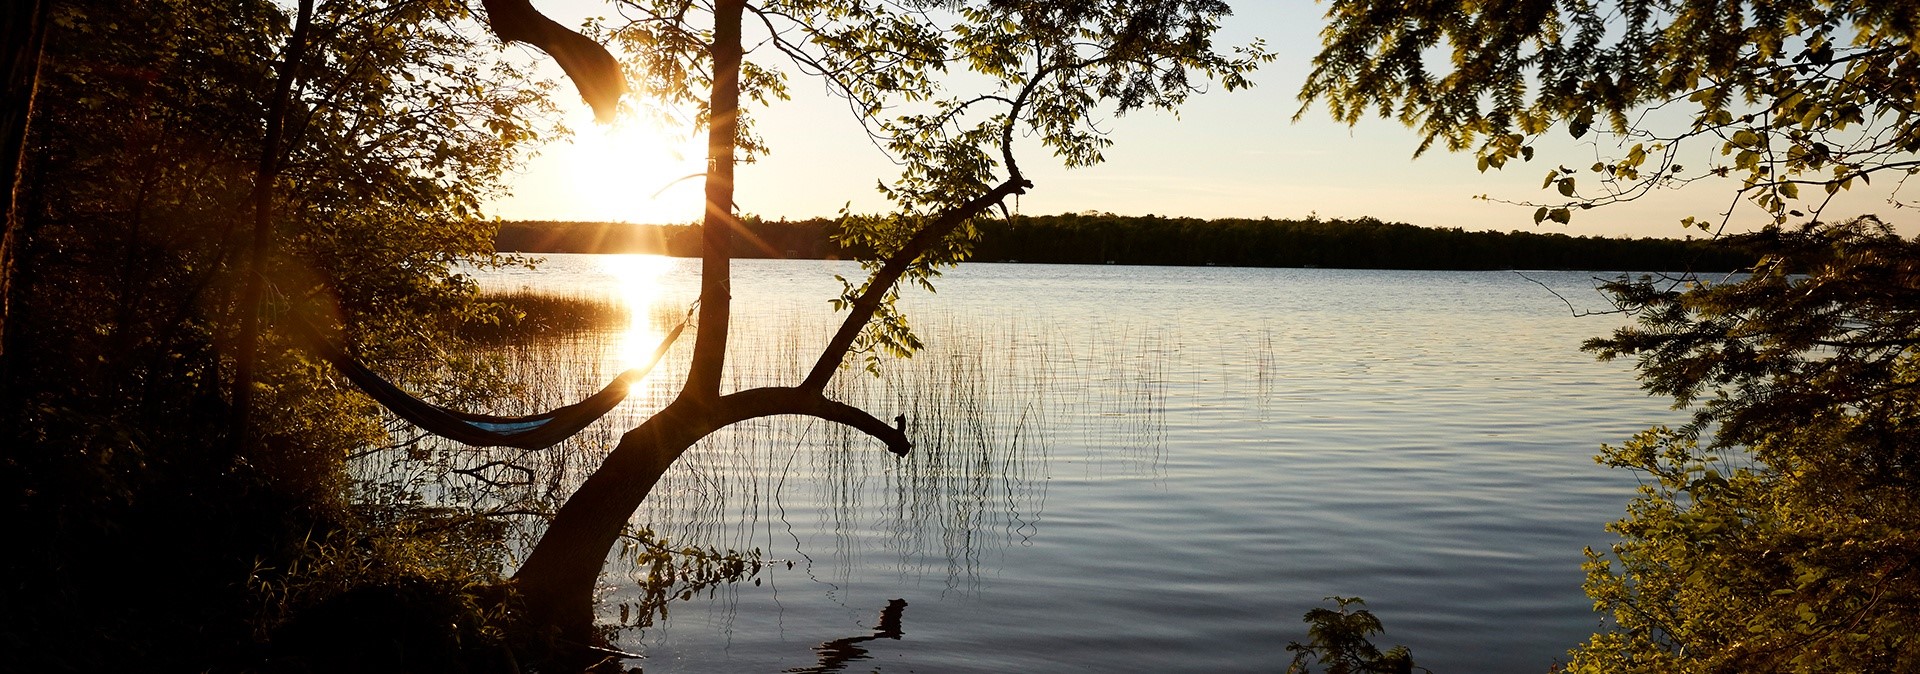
(980, 403)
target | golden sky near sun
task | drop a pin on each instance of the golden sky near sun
(632, 170)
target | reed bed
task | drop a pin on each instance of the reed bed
(981, 404)
(506, 317)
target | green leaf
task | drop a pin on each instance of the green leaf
(1580, 123)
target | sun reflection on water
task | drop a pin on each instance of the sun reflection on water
(641, 293)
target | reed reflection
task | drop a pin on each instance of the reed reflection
(837, 654)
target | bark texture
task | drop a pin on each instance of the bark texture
(716, 228)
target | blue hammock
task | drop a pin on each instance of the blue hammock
(537, 431)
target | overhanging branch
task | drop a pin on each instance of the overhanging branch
(593, 71)
(771, 401)
(868, 302)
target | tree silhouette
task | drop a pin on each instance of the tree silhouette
(1048, 66)
(1791, 96)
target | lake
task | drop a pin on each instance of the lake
(1131, 469)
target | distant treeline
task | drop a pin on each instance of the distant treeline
(1104, 238)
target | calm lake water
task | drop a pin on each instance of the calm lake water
(1134, 469)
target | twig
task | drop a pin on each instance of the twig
(1577, 312)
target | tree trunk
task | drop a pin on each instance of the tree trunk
(24, 31)
(265, 173)
(716, 229)
(556, 582)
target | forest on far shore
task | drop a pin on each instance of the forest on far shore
(1105, 238)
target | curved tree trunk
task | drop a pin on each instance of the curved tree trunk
(593, 70)
(556, 582)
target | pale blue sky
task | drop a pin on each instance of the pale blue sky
(1226, 155)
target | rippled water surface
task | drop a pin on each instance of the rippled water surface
(1139, 469)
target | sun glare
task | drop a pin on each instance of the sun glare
(640, 291)
(631, 171)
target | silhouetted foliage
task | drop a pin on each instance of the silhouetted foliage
(151, 538)
(1790, 94)
(1339, 640)
(1785, 542)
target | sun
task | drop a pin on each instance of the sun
(632, 171)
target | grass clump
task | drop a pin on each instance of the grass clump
(502, 317)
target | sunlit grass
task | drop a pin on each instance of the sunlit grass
(528, 315)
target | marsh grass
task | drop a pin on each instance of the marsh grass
(506, 317)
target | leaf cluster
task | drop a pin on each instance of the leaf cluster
(677, 574)
(1823, 324)
(1785, 543)
(1799, 94)
(1726, 565)
(405, 124)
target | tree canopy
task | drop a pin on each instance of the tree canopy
(136, 221)
(1776, 531)
(1797, 100)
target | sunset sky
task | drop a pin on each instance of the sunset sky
(1226, 155)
